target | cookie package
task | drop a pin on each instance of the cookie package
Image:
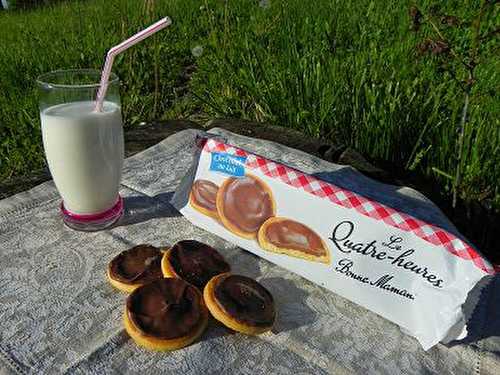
(385, 260)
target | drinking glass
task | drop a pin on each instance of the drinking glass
(84, 147)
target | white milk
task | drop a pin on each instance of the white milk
(84, 150)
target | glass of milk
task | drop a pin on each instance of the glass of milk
(84, 148)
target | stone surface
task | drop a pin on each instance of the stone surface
(288, 137)
(140, 138)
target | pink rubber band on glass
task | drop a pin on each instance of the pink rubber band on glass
(84, 218)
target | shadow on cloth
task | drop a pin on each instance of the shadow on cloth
(216, 329)
(481, 310)
(139, 209)
(291, 304)
(244, 263)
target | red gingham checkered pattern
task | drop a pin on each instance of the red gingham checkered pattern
(345, 198)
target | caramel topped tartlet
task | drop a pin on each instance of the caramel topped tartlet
(135, 267)
(194, 262)
(166, 314)
(240, 303)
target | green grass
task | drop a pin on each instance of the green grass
(344, 70)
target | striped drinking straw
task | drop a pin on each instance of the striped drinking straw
(106, 71)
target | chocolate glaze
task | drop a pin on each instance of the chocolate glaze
(166, 308)
(138, 265)
(204, 194)
(196, 262)
(291, 234)
(245, 300)
(247, 204)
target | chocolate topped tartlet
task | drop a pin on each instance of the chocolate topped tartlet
(203, 196)
(287, 236)
(166, 314)
(240, 303)
(244, 204)
(135, 267)
(194, 262)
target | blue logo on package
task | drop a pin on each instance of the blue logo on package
(228, 164)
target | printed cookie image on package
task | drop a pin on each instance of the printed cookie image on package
(286, 236)
(244, 203)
